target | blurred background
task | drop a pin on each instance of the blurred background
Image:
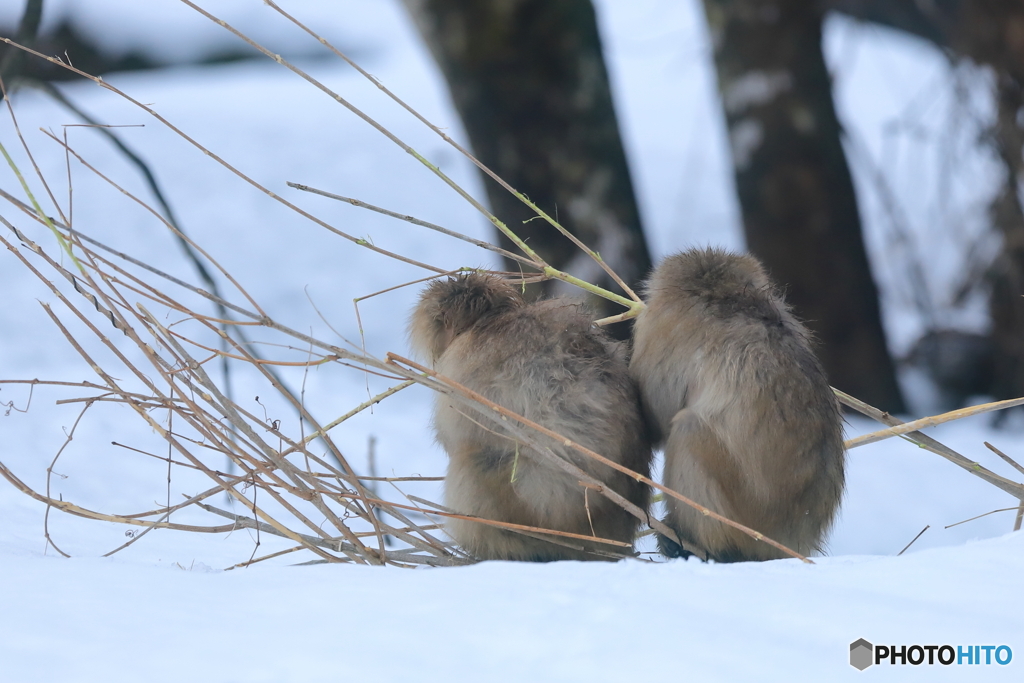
(868, 152)
(872, 150)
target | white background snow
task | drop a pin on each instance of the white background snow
(163, 611)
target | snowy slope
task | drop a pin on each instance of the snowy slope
(163, 610)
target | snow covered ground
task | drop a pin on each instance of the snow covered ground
(162, 610)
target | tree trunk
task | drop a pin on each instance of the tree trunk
(800, 212)
(991, 33)
(529, 81)
(12, 60)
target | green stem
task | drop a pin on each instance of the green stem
(593, 289)
(39, 209)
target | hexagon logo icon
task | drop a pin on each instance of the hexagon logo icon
(861, 654)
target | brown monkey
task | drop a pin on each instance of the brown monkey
(548, 362)
(731, 386)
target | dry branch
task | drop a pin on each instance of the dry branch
(319, 507)
(928, 443)
(932, 421)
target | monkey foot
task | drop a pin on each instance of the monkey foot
(670, 548)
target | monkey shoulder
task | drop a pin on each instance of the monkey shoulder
(547, 351)
(549, 332)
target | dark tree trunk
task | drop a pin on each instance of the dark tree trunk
(1006, 296)
(529, 81)
(926, 20)
(991, 33)
(12, 60)
(800, 212)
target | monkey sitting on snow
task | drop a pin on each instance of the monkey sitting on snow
(547, 362)
(731, 386)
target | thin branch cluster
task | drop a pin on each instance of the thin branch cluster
(157, 345)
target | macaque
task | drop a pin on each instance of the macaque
(731, 387)
(547, 362)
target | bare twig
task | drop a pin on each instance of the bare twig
(913, 540)
(928, 443)
(416, 221)
(985, 514)
(1010, 461)
(924, 422)
(1017, 466)
(466, 153)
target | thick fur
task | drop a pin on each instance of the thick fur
(547, 362)
(731, 386)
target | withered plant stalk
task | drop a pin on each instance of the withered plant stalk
(297, 486)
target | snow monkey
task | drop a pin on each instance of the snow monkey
(547, 362)
(731, 387)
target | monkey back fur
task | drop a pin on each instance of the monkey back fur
(548, 362)
(731, 387)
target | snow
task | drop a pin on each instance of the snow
(164, 610)
(756, 88)
(745, 139)
(90, 619)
